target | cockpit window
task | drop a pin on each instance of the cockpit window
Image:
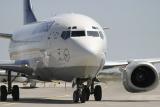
(93, 33)
(74, 27)
(77, 33)
(93, 27)
(65, 35)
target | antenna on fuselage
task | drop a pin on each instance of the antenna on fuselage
(29, 16)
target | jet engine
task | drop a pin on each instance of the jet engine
(140, 76)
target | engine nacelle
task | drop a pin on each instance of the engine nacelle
(140, 76)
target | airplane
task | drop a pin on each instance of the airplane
(70, 47)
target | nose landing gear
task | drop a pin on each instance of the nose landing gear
(83, 92)
(79, 93)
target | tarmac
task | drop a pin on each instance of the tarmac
(57, 95)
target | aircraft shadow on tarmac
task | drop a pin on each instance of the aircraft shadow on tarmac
(28, 87)
(44, 101)
(129, 100)
(58, 101)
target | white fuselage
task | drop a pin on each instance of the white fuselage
(54, 51)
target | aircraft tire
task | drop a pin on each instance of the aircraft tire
(83, 96)
(4, 93)
(15, 93)
(87, 92)
(98, 93)
(75, 96)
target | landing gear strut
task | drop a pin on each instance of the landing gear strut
(11, 90)
(83, 92)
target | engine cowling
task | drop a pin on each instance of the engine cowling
(140, 77)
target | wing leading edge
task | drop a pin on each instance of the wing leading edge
(17, 68)
(5, 35)
(112, 64)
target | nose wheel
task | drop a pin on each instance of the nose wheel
(14, 91)
(83, 92)
(98, 93)
(79, 95)
(87, 91)
(76, 96)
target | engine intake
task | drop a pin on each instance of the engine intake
(140, 76)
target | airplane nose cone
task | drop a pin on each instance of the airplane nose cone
(93, 57)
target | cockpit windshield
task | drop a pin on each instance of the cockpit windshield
(81, 33)
(77, 33)
(93, 33)
(68, 34)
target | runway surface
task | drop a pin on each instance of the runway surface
(53, 95)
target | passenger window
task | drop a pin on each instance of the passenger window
(101, 34)
(93, 33)
(65, 35)
(77, 33)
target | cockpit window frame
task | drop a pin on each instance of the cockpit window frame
(101, 35)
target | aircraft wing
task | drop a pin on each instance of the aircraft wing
(5, 35)
(17, 68)
(112, 64)
(112, 70)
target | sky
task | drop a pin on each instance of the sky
(134, 24)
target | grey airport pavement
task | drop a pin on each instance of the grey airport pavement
(56, 95)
